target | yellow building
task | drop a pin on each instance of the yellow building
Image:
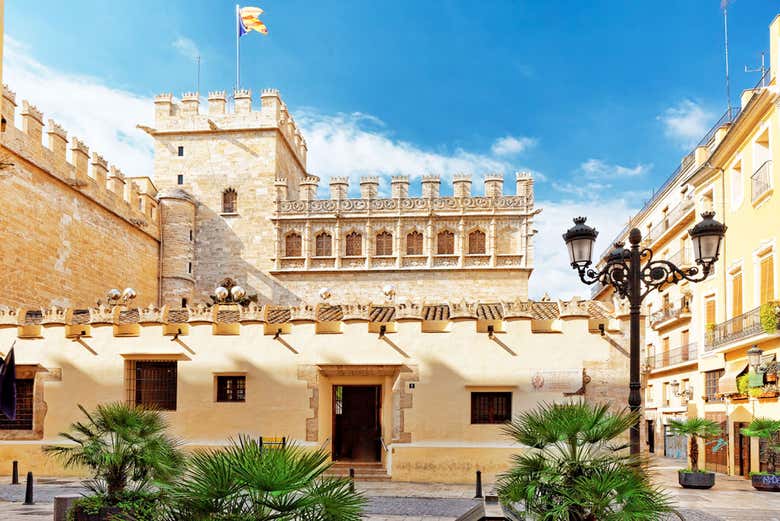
(697, 335)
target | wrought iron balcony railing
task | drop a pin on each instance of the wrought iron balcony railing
(668, 314)
(682, 257)
(761, 180)
(737, 328)
(674, 356)
(670, 219)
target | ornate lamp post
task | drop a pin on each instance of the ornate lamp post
(633, 274)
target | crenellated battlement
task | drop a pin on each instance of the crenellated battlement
(185, 115)
(68, 159)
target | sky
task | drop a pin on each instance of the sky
(600, 100)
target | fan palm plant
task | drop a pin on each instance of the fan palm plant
(126, 448)
(249, 481)
(695, 429)
(578, 468)
(768, 429)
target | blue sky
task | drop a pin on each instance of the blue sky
(600, 99)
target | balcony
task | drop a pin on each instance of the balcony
(682, 258)
(669, 221)
(669, 316)
(738, 328)
(679, 355)
(761, 181)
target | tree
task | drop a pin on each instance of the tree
(125, 446)
(767, 429)
(694, 428)
(577, 468)
(250, 481)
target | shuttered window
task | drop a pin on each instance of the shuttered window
(414, 243)
(491, 407)
(767, 280)
(323, 245)
(445, 243)
(154, 384)
(709, 307)
(292, 245)
(354, 245)
(736, 294)
(24, 408)
(231, 388)
(477, 242)
(384, 244)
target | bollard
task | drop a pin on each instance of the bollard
(351, 480)
(28, 493)
(15, 473)
(479, 484)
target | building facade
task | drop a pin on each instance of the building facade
(697, 335)
(392, 330)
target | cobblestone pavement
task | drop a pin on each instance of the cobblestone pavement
(732, 499)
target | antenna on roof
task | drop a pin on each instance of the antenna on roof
(762, 70)
(724, 4)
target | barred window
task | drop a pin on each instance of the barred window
(711, 385)
(491, 407)
(24, 408)
(323, 245)
(414, 243)
(354, 245)
(477, 242)
(384, 243)
(231, 388)
(229, 201)
(292, 245)
(155, 384)
(445, 243)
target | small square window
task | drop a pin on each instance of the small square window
(180, 151)
(231, 388)
(180, 179)
(491, 407)
(189, 267)
(184, 302)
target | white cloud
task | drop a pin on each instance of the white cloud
(511, 145)
(186, 47)
(686, 123)
(553, 274)
(103, 117)
(598, 169)
(359, 144)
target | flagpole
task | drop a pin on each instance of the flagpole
(238, 52)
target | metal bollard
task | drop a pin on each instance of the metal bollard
(15, 473)
(28, 493)
(351, 480)
(479, 484)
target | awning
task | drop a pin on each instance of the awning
(728, 382)
(712, 363)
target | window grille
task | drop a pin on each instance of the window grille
(384, 243)
(354, 245)
(711, 385)
(414, 243)
(493, 407)
(231, 388)
(24, 408)
(477, 242)
(445, 243)
(229, 201)
(152, 384)
(292, 245)
(323, 245)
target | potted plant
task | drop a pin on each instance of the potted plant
(576, 467)
(709, 333)
(695, 429)
(250, 481)
(129, 455)
(768, 314)
(743, 388)
(767, 429)
(770, 371)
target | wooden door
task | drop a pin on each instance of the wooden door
(356, 422)
(741, 451)
(717, 451)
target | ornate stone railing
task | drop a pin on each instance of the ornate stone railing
(515, 202)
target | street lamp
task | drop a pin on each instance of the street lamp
(633, 274)
(754, 357)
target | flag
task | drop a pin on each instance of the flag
(8, 386)
(248, 20)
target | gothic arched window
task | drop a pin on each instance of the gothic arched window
(323, 245)
(477, 242)
(414, 243)
(292, 245)
(384, 243)
(354, 245)
(230, 201)
(445, 243)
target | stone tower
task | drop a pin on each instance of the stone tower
(226, 167)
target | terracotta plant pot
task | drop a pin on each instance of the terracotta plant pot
(766, 482)
(700, 480)
(771, 378)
